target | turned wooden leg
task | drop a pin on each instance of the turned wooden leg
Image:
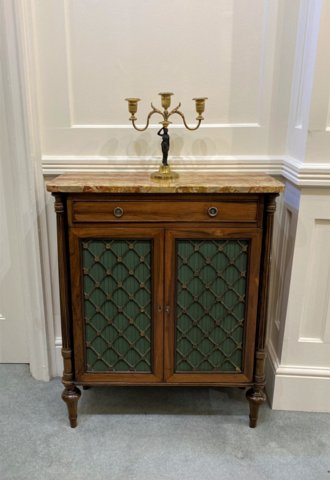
(71, 396)
(256, 397)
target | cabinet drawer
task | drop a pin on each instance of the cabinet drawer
(164, 211)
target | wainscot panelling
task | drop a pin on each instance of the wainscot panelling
(303, 363)
(285, 224)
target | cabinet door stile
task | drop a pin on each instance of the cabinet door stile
(212, 295)
(169, 298)
(117, 289)
(158, 303)
(77, 304)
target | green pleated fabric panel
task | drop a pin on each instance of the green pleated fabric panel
(210, 305)
(117, 305)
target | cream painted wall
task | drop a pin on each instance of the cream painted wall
(108, 50)
(264, 66)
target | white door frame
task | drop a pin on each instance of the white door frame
(21, 116)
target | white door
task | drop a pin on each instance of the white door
(13, 325)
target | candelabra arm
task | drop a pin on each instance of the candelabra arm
(184, 120)
(174, 110)
(155, 110)
(148, 119)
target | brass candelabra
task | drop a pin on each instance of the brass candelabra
(165, 172)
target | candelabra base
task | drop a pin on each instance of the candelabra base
(164, 173)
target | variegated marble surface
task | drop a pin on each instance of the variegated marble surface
(188, 182)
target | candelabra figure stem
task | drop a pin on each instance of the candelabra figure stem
(164, 170)
(165, 144)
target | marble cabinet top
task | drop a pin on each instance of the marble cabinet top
(140, 182)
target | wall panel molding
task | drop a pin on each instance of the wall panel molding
(316, 301)
(299, 173)
(53, 164)
(175, 126)
(306, 342)
(282, 251)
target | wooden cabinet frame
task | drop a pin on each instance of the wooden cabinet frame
(75, 224)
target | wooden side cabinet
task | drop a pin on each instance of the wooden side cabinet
(162, 286)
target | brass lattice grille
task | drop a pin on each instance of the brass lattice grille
(210, 305)
(117, 304)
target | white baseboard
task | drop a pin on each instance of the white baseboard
(298, 388)
(270, 377)
(304, 394)
(58, 357)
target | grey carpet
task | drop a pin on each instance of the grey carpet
(153, 434)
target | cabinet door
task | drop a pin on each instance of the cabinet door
(117, 298)
(211, 296)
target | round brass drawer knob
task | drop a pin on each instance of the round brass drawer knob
(118, 212)
(212, 211)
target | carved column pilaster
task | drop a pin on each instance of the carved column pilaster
(71, 393)
(256, 395)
